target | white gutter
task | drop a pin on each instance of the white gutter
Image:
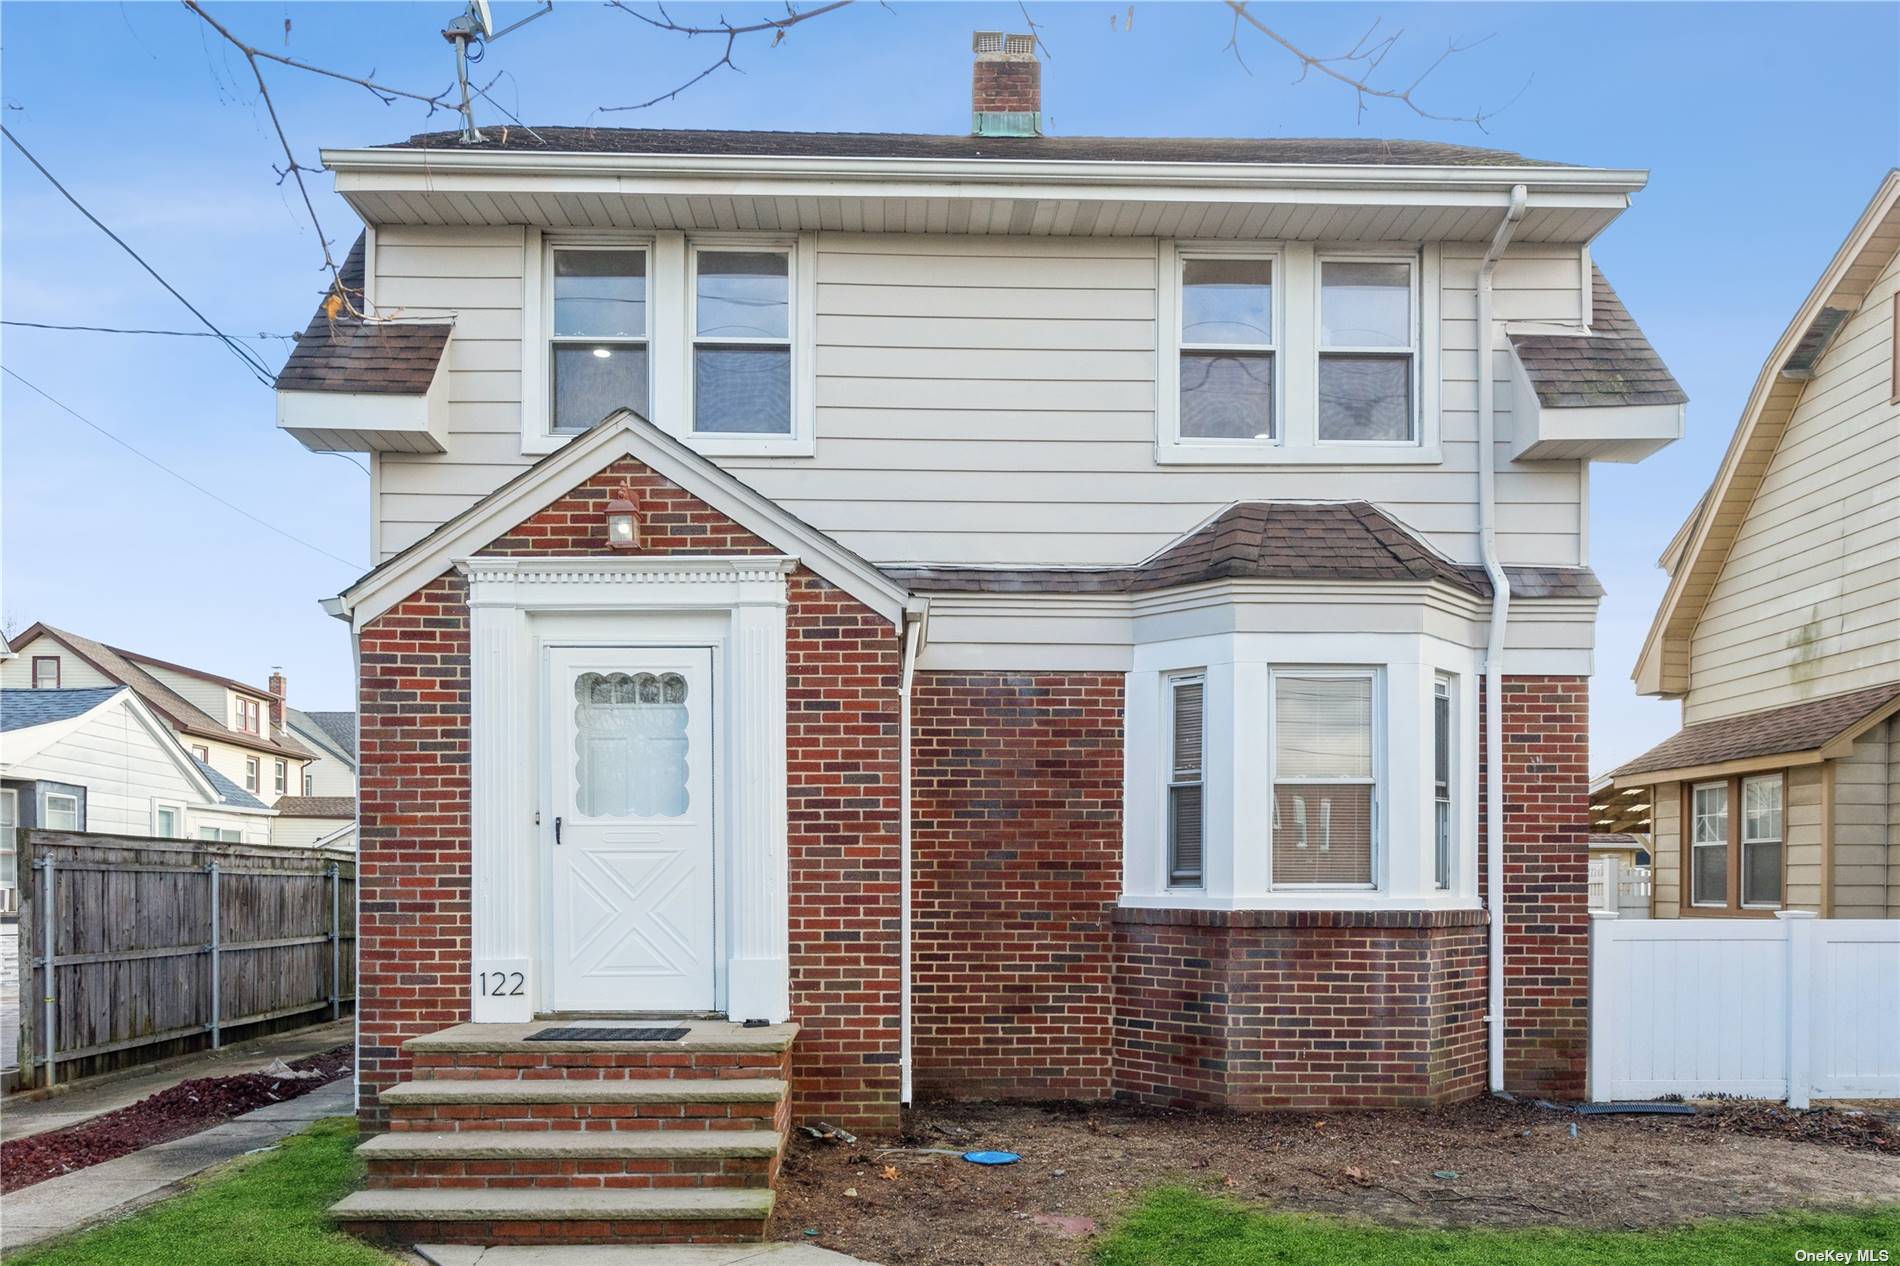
(916, 613)
(1494, 646)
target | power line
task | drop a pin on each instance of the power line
(183, 479)
(113, 329)
(258, 369)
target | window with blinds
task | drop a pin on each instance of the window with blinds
(1324, 785)
(1185, 741)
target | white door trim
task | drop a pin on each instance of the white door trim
(746, 598)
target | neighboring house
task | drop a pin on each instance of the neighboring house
(98, 759)
(230, 726)
(1780, 628)
(324, 816)
(1017, 606)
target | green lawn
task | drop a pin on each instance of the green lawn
(1180, 1228)
(267, 1210)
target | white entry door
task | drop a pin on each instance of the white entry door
(632, 924)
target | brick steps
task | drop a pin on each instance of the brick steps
(676, 1159)
(564, 1216)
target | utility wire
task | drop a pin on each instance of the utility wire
(113, 329)
(258, 369)
(184, 479)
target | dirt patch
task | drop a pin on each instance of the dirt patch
(186, 1108)
(1481, 1163)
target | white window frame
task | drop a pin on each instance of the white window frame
(801, 308)
(309, 782)
(10, 831)
(46, 810)
(1171, 779)
(1174, 259)
(1741, 835)
(162, 807)
(58, 671)
(1415, 349)
(253, 774)
(1445, 837)
(221, 834)
(280, 776)
(548, 339)
(1375, 676)
(1695, 815)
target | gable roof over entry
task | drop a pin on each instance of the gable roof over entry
(622, 434)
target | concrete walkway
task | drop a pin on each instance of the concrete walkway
(112, 1190)
(36, 1111)
(637, 1255)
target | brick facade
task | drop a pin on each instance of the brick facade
(1016, 786)
(841, 680)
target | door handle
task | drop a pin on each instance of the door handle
(557, 831)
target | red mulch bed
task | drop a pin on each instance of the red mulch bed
(186, 1108)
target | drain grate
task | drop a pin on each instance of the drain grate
(581, 1034)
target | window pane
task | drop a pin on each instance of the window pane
(1365, 397)
(742, 390)
(1441, 844)
(1323, 727)
(62, 813)
(1227, 395)
(1184, 835)
(1761, 808)
(1365, 304)
(1227, 301)
(1711, 874)
(1322, 834)
(592, 382)
(600, 294)
(1441, 744)
(630, 745)
(1761, 874)
(743, 294)
(1187, 730)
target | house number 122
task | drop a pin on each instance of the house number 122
(501, 984)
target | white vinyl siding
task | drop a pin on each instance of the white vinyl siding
(988, 400)
(1808, 602)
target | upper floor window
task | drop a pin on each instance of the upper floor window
(46, 672)
(742, 342)
(1324, 789)
(250, 714)
(598, 343)
(309, 783)
(281, 779)
(201, 752)
(1368, 350)
(251, 782)
(1227, 351)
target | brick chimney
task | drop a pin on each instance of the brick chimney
(1005, 86)
(277, 700)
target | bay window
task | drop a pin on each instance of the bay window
(1442, 764)
(1368, 348)
(1324, 791)
(1186, 732)
(742, 341)
(597, 353)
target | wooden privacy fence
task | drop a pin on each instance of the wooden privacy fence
(155, 948)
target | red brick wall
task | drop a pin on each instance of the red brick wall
(842, 666)
(1546, 883)
(1271, 1009)
(1016, 788)
(1006, 87)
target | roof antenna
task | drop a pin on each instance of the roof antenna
(477, 27)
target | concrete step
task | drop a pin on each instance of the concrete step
(553, 1204)
(657, 1090)
(516, 1145)
(702, 1037)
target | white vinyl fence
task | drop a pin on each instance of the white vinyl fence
(1793, 1008)
(1615, 886)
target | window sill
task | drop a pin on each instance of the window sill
(705, 445)
(1383, 917)
(1332, 900)
(1169, 453)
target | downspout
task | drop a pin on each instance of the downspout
(1494, 645)
(916, 613)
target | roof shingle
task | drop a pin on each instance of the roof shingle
(24, 709)
(316, 806)
(346, 354)
(1613, 365)
(1795, 728)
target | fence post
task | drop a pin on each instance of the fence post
(1799, 928)
(336, 942)
(1596, 1066)
(217, 986)
(50, 944)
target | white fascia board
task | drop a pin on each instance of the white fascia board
(582, 458)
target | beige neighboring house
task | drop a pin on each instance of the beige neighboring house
(324, 815)
(1780, 629)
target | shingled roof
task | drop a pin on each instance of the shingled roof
(1285, 151)
(1610, 366)
(346, 354)
(1266, 540)
(316, 806)
(1794, 729)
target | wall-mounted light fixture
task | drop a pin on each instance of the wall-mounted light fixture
(623, 520)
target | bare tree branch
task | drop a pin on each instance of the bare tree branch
(1356, 67)
(732, 34)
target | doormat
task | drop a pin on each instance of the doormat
(577, 1034)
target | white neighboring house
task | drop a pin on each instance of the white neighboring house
(96, 758)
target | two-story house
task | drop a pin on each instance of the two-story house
(1015, 615)
(1780, 627)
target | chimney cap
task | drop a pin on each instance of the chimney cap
(995, 45)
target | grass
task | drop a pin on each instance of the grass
(1176, 1227)
(267, 1210)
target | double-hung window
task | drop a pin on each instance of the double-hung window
(1227, 349)
(742, 341)
(1186, 710)
(250, 774)
(1368, 351)
(309, 783)
(281, 778)
(598, 341)
(1733, 844)
(1325, 789)
(46, 672)
(1442, 731)
(250, 716)
(1761, 841)
(1708, 844)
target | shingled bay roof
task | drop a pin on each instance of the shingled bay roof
(1267, 540)
(1612, 365)
(316, 806)
(347, 354)
(1286, 151)
(1794, 729)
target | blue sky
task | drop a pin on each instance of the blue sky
(1765, 126)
